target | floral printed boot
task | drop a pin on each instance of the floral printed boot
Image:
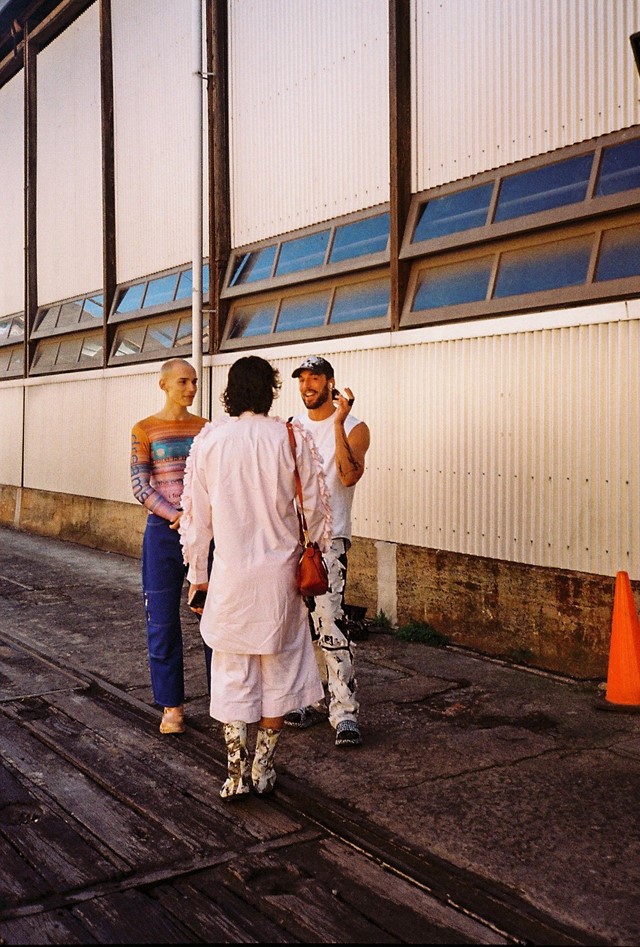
(237, 783)
(263, 774)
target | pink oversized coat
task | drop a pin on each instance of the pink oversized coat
(239, 488)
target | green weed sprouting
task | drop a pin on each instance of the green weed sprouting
(422, 632)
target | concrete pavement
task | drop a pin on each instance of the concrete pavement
(513, 777)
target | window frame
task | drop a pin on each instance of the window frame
(561, 297)
(38, 333)
(311, 274)
(146, 312)
(13, 319)
(591, 206)
(157, 319)
(19, 371)
(338, 329)
(59, 339)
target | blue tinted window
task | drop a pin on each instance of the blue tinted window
(361, 301)
(620, 168)
(254, 266)
(619, 254)
(17, 328)
(129, 341)
(302, 253)
(252, 320)
(453, 284)
(131, 298)
(70, 313)
(544, 188)
(48, 318)
(160, 336)
(11, 361)
(160, 290)
(185, 284)
(454, 212)
(540, 268)
(91, 350)
(93, 309)
(68, 353)
(45, 355)
(12, 327)
(359, 238)
(303, 312)
(184, 336)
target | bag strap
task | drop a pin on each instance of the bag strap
(302, 521)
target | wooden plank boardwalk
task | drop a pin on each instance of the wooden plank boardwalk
(110, 833)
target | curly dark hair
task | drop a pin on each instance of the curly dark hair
(252, 385)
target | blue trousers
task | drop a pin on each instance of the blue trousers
(163, 575)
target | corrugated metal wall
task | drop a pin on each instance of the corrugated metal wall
(11, 413)
(517, 443)
(526, 449)
(499, 81)
(69, 182)
(309, 112)
(78, 430)
(154, 135)
(521, 447)
(514, 446)
(12, 178)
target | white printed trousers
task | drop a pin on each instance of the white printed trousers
(334, 650)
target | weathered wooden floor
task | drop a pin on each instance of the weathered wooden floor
(110, 833)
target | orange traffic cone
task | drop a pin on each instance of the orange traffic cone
(623, 679)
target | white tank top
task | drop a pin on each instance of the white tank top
(341, 497)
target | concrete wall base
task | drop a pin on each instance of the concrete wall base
(545, 618)
(101, 524)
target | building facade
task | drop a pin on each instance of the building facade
(440, 196)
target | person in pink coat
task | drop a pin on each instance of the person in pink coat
(240, 488)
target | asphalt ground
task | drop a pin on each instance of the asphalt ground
(523, 784)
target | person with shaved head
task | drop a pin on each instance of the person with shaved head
(160, 445)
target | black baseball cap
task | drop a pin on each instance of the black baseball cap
(315, 364)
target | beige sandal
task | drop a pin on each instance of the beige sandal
(173, 720)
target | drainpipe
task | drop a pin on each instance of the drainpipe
(196, 295)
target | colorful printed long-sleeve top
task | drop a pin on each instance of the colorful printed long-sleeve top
(159, 451)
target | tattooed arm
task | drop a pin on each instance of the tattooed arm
(350, 451)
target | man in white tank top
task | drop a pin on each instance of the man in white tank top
(342, 441)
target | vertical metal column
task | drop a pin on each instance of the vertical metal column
(30, 184)
(196, 296)
(109, 275)
(399, 147)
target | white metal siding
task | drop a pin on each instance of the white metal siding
(12, 178)
(11, 434)
(309, 106)
(78, 430)
(154, 136)
(521, 446)
(499, 81)
(69, 182)
(518, 446)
